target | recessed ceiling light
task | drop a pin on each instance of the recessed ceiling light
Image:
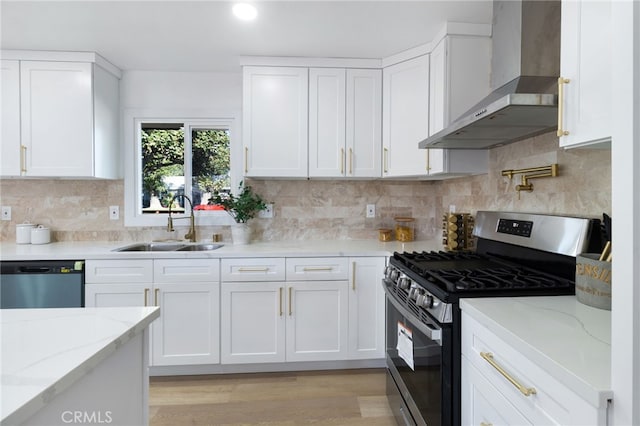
(245, 11)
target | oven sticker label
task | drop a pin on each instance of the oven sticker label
(405, 344)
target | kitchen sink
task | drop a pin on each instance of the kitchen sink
(169, 247)
(200, 247)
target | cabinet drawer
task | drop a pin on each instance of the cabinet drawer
(186, 270)
(317, 268)
(259, 269)
(551, 402)
(119, 271)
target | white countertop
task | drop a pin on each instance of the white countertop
(569, 340)
(301, 248)
(45, 351)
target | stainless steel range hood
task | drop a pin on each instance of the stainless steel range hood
(524, 68)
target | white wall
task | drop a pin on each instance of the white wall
(181, 90)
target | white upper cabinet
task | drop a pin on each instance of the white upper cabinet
(10, 145)
(585, 61)
(458, 78)
(405, 117)
(68, 114)
(364, 123)
(275, 121)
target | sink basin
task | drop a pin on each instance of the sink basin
(151, 247)
(200, 247)
(169, 247)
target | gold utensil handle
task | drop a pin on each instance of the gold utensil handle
(146, 296)
(488, 356)
(317, 268)
(385, 161)
(253, 269)
(353, 276)
(605, 251)
(561, 82)
(23, 159)
(290, 296)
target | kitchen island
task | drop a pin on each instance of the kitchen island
(75, 365)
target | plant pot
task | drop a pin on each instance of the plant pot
(241, 233)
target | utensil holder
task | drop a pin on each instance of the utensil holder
(593, 281)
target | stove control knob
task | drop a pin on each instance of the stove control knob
(426, 301)
(415, 291)
(404, 282)
(394, 274)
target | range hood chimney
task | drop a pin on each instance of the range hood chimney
(525, 66)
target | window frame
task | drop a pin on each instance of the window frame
(132, 156)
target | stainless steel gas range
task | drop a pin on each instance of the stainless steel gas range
(516, 255)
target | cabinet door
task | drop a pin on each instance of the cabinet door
(275, 106)
(187, 331)
(364, 123)
(405, 117)
(10, 163)
(585, 60)
(483, 404)
(252, 322)
(115, 295)
(327, 122)
(57, 118)
(366, 308)
(317, 321)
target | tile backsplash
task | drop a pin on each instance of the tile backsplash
(335, 209)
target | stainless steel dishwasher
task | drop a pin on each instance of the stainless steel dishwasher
(42, 284)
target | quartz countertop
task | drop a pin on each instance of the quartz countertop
(300, 248)
(569, 340)
(45, 351)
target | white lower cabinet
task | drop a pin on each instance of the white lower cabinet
(187, 291)
(503, 386)
(327, 309)
(366, 308)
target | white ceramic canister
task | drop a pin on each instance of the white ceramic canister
(40, 235)
(23, 233)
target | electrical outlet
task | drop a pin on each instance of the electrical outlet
(114, 212)
(6, 213)
(371, 211)
(267, 213)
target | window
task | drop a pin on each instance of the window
(174, 157)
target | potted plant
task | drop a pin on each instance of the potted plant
(242, 208)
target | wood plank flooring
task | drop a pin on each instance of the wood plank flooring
(344, 397)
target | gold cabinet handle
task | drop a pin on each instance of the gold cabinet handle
(253, 269)
(486, 424)
(341, 161)
(385, 161)
(561, 82)
(317, 268)
(428, 161)
(146, 296)
(155, 296)
(290, 296)
(488, 356)
(350, 161)
(246, 159)
(280, 300)
(353, 276)
(23, 159)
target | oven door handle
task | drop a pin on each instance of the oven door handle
(434, 334)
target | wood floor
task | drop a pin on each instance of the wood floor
(345, 397)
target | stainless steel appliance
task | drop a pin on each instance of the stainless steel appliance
(516, 255)
(42, 284)
(524, 75)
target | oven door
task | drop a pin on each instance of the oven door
(417, 359)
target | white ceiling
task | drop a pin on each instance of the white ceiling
(204, 36)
